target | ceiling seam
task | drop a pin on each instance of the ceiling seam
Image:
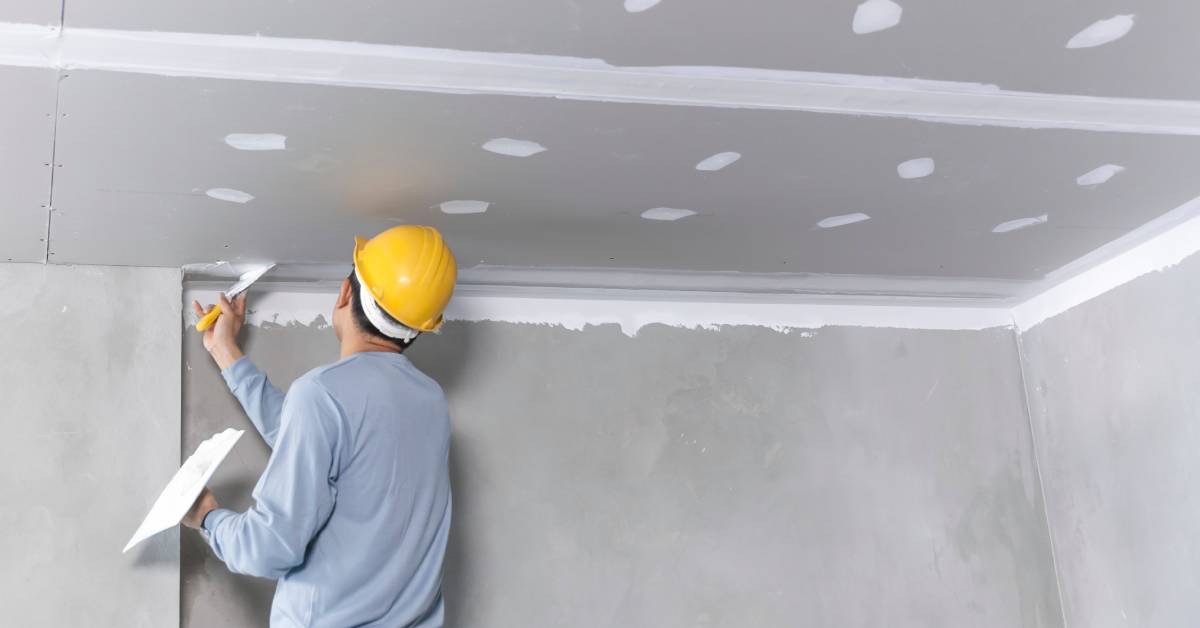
(53, 165)
(439, 70)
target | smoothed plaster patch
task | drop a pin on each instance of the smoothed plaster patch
(513, 148)
(637, 6)
(1100, 175)
(667, 214)
(1102, 32)
(1020, 223)
(257, 141)
(229, 195)
(718, 161)
(843, 220)
(873, 16)
(916, 168)
(464, 207)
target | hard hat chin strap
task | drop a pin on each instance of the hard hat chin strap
(379, 318)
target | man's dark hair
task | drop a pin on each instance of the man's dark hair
(365, 324)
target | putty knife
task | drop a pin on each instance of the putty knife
(245, 281)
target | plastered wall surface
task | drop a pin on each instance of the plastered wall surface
(91, 405)
(1114, 400)
(844, 477)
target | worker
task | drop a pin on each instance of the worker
(352, 513)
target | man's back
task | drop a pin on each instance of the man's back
(378, 523)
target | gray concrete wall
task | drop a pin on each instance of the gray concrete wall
(91, 401)
(855, 478)
(1116, 413)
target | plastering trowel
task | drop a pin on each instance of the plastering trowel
(245, 281)
(185, 486)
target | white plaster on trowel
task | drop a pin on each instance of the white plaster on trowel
(667, 214)
(185, 486)
(1099, 175)
(513, 148)
(379, 66)
(637, 6)
(1020, 223)
(873, 16)
(464, 207)
(840, 221)
(1102, 32)
(229, 195)
(257, 141)
(916, 168)
(718, 161)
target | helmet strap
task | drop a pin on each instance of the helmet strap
(379, 318)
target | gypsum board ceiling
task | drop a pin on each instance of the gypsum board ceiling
(139, 153)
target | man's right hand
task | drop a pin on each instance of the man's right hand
(221, 339)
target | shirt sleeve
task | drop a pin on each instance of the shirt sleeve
(295, 495)
(261, 400)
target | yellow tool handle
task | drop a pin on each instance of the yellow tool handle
(209, 319)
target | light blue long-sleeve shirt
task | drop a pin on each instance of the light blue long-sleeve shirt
(352, 513)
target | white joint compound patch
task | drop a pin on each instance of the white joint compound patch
(257, 141)
(1020, 223)
(916, 168)
(229, 195)
(513, 148)
(843, 220)
(667, 214)
(1102, 32)
(873, 16)
(1100, 175)
(464, 207)
(718, 161)
(637, 6)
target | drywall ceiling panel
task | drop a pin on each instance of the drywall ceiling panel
(42, 12)
(26, 146)
(1020, 44)
(140, 154)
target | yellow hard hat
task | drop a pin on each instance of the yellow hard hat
(411, 273)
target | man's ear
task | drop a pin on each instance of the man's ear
(344, 294)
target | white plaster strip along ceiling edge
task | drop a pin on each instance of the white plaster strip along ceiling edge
(336, 63)
(1157, 246)
(634, 312)
(1177, 238)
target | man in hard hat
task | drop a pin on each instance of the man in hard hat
(352, 512)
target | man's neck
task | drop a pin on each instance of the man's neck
(361, 344)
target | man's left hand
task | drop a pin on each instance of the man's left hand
(205, 504)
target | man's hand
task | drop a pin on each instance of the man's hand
(221, 339)
(205, 503)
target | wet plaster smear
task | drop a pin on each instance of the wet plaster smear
(840, 476)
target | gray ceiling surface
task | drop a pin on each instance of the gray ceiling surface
(142, 174)
(139, 152)
(42, 12)
(26, 143)
(1016, 44)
